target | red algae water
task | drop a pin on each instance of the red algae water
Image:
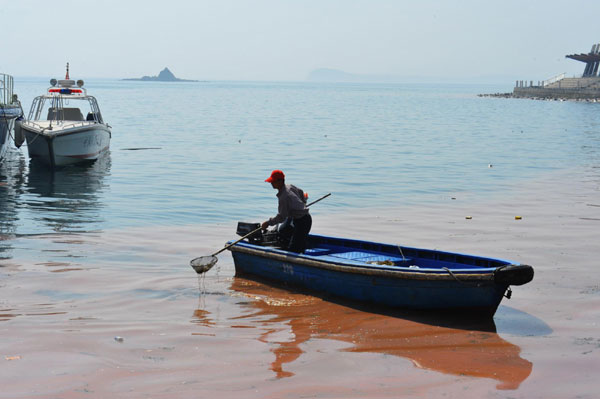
(120, 313)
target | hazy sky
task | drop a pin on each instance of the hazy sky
(285, 39)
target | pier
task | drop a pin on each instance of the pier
(583, 88)
(586, 87)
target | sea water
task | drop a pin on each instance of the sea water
(199, 152)
(96, 292)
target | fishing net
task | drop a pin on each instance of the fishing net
(203, 264)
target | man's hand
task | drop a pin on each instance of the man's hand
(265, 225)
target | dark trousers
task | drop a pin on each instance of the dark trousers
(296, 231)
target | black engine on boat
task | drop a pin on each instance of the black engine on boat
(269, 238)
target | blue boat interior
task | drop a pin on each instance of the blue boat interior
(364, 252)
(373, 254)
(360, 256)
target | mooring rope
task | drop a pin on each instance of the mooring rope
(402, 254)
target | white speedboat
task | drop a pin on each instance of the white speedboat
(57, 132)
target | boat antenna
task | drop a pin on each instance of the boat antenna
(67, 76)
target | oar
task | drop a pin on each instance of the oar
(202, 264)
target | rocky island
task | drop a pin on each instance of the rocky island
(164, 76)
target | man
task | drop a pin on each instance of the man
(292, 213)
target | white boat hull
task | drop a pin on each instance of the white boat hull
(83, 142)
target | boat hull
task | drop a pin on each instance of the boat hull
(7, 115)
(478, 290)
(4, 142)
(84, 143)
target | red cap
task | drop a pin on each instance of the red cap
(275, 175)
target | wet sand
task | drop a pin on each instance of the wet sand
(121, 313)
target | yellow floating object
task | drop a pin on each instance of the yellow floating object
(518, 218)
(468, 217)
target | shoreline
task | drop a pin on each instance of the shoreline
(546, 97)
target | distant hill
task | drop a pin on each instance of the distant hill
(164, 76)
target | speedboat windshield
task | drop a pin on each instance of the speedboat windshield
(65, 108)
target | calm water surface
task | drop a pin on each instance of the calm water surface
(197, 153)
(90, 253)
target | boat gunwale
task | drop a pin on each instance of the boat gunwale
(461, 275)
(59, 129)
(7, 111)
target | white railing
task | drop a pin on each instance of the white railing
(554, 79)
(6, 89)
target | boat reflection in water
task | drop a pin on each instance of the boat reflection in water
(11, 186)
(68, 199)
(39, 202)
(459, 348)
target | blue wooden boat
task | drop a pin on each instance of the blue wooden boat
(383, 274)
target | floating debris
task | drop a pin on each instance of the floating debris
(141, 148)
(386, 262)
(119, 339)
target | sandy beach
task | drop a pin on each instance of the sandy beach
(121, 313)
